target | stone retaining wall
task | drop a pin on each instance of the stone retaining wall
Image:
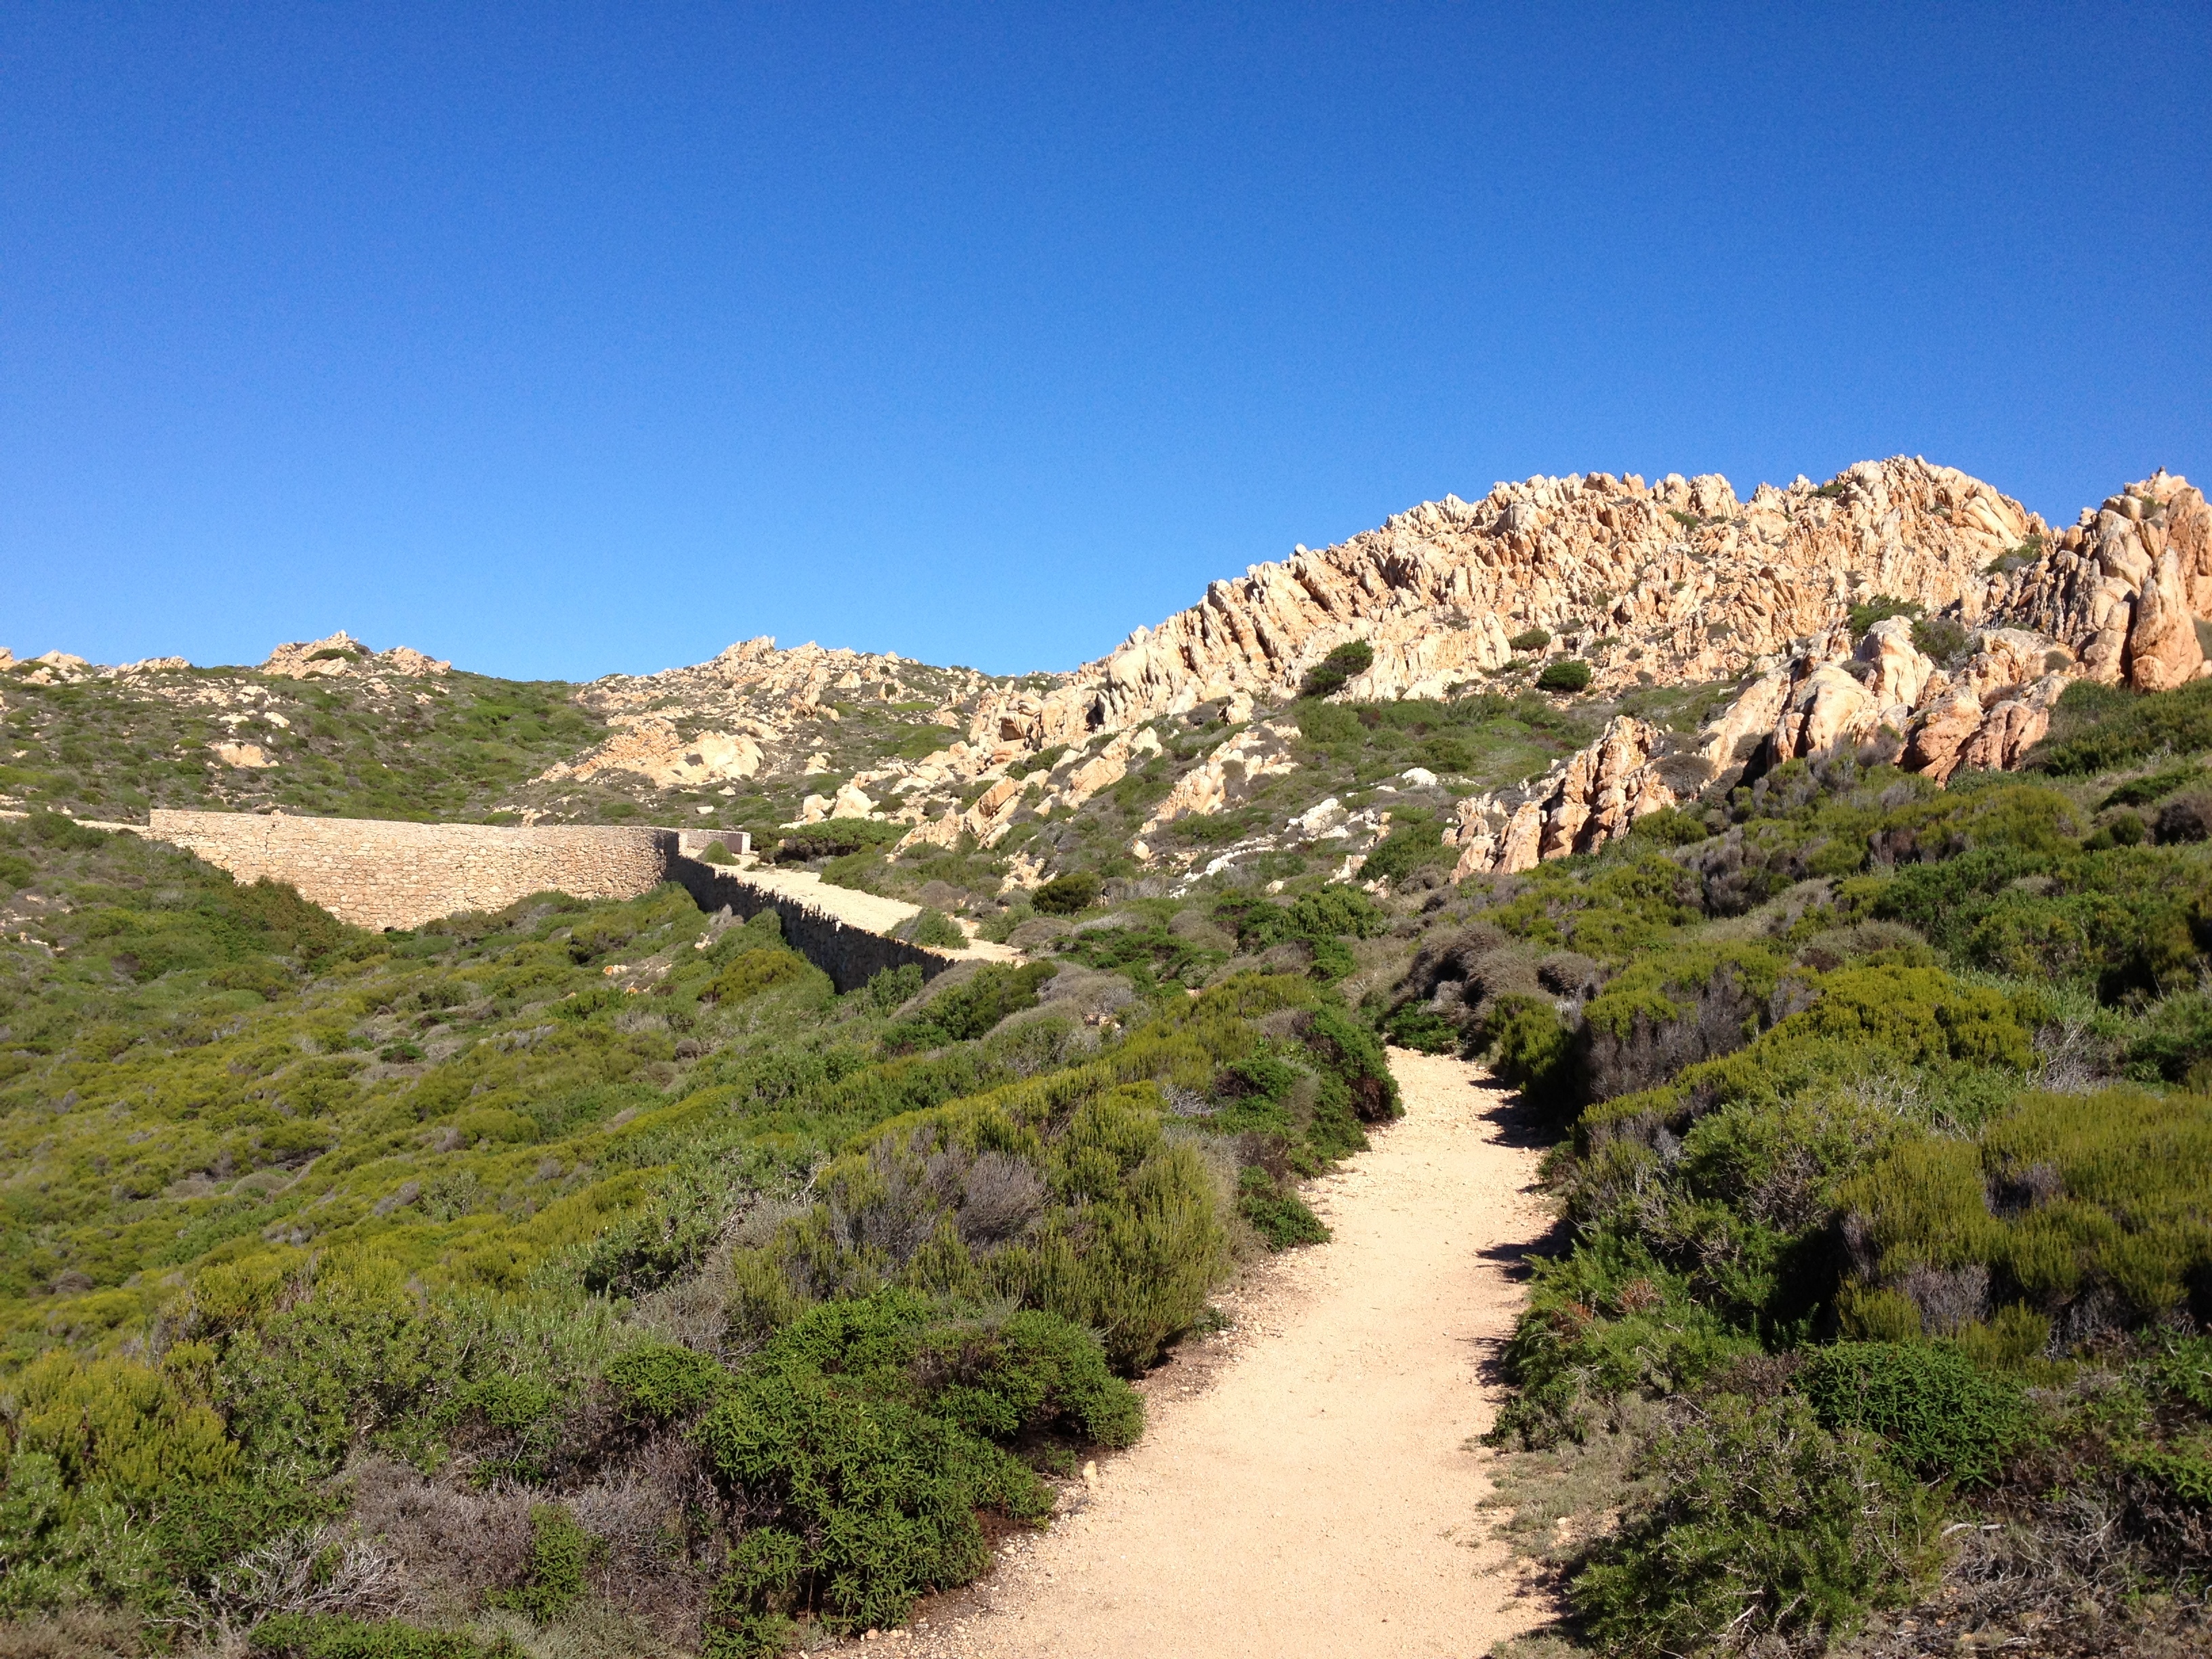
(850, 956)
(376, 873)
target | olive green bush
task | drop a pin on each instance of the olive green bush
(1329, 675)
(1762, 1525)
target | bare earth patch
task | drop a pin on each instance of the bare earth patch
(1310, 1483)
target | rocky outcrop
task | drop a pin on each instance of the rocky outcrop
(1214, 783)
(341, 653)
(1678, 580)
(1591, 797)
(655, 748)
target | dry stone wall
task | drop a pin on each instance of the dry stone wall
(376, 873)
(850, 956)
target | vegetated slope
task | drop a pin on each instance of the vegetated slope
(589, 1269)
(1887, 1172)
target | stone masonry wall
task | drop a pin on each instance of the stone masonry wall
(376, 873)
(850, 956)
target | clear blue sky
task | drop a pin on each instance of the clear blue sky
(565, 339)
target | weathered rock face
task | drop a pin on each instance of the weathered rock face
(1591, 797)
(1678, 580)
(653, 747)
(341, 653)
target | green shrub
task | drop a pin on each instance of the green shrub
(1939, 638)
(1329, 675)
(1569, 675)
(1412, 844)
(560, 1551)
(1418, 1026)
(860, 1496)
(1881, 608)
(303, 1636)
(890, 988)
(2097, 728)
(1354, 1060)
(1947, 1420)
(1278, 1215)
(661, 1383)
(1531, 1049)
(935, 929)
(969, 1009)
(1530, 639)
(1067, 894)
(1762, 1525)
(751, 972)
(717, 852)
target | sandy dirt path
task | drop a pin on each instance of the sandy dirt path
(1308, 1488)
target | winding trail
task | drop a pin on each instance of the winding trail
(1310, 1483)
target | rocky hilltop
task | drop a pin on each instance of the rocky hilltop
(1684, 637)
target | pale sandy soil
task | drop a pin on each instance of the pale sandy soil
(1309, 1485)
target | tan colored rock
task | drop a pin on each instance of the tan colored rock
(1437, 591)
(246, 756)
(2012, 727)
(2162, 650)
(1208, 787)
(1901, 670)
(1826, 708)
(1591, 797)
(1943, 730)
(341, 653)
(655, 750)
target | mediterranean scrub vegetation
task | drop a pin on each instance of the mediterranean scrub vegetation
(591, 1277)
(1885, 1168)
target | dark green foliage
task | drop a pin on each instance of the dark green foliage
(1328, 675)
(971, 1007)
(1881, 608)
(1418, 1026)
(301, 1636)
(864, 1438)
(2095, 728)
(560, 1551)
(1764, 1524)
(892, 986)
(1355, 1062)
(1530, 639)
(1414, 843)
(718, 853)
(1276, 1214)
(1947, 1420)
(835, 838)
(1941, 638)
(661, 1383)
(1569, 675)
(1531, 1049)
(936, 929)
(1150, 955)
(1067, 894)
(666, 1238)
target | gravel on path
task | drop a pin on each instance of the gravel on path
(1314, 1488)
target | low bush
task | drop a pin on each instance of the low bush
(1763, 1526)
(1530, 639)
(1276, 1214)
(1947, 1420)
(302, 1635)
(1067, 894)
(1568, 675)
(970, 1008)
(560, 1551)
(935, 929)
(861, 1442)
(1329, 675)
